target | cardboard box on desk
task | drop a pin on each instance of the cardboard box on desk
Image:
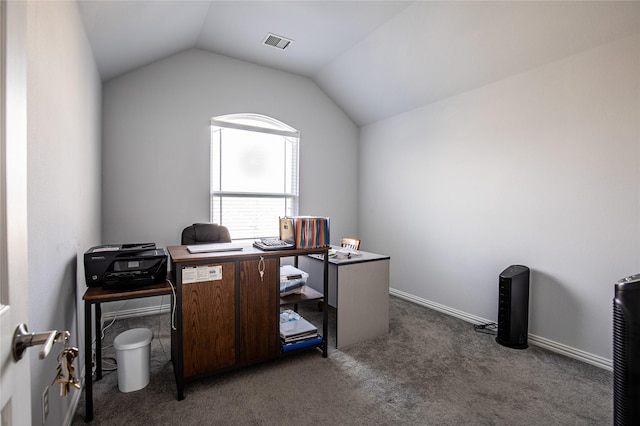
(311, 232)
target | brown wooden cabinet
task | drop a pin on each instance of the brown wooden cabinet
(208, 323)
(227, 309)
(258, 296)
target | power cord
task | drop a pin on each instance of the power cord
(102, 333)
(115, 316)
(488, 328)
(173, 309)
(109, 361)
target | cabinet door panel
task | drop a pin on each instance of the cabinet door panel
(258, 313)
(208, 323)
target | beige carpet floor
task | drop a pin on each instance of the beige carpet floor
(430, 369)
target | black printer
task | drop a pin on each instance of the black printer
(125, 265)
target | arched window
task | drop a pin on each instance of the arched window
(254, 174)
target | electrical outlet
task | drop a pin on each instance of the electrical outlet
(45, 404)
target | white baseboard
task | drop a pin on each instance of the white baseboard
(560, 348)
(136, 312)
(551, 345)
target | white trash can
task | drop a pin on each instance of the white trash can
(132, 355)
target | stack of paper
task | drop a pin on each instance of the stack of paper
(344, 253)
(297, 329)
(296, 332)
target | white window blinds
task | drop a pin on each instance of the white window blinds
(254, 174)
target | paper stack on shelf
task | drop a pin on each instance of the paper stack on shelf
(292, 280)
(296, 332)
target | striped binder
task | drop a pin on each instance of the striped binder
(311, 232)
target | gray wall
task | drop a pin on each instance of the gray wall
(63, 177)
(156, 145)
(540, 169)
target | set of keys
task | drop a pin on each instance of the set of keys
(261, 268)
(65, 372)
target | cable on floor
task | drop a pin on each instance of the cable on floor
(488, 328)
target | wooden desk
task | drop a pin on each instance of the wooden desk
(359, 290)
(96, 296)
(228, 309)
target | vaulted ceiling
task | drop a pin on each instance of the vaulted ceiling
(375, 59)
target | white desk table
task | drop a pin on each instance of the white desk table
(358, 289)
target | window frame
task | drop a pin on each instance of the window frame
(290, 195)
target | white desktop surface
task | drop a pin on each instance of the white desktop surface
(358, 289)
(364, 256)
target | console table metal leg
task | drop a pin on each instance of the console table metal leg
(179, 381)
(98, 325)
(181, 394)
(88, 374)
(325, 313)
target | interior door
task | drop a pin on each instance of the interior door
(15, 387)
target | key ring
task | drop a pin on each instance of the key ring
(261, 268)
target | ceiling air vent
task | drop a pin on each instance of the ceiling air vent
(276, 41)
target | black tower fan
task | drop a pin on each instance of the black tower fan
(513, 307)
(626, 351)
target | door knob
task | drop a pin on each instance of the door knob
(22, 340)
